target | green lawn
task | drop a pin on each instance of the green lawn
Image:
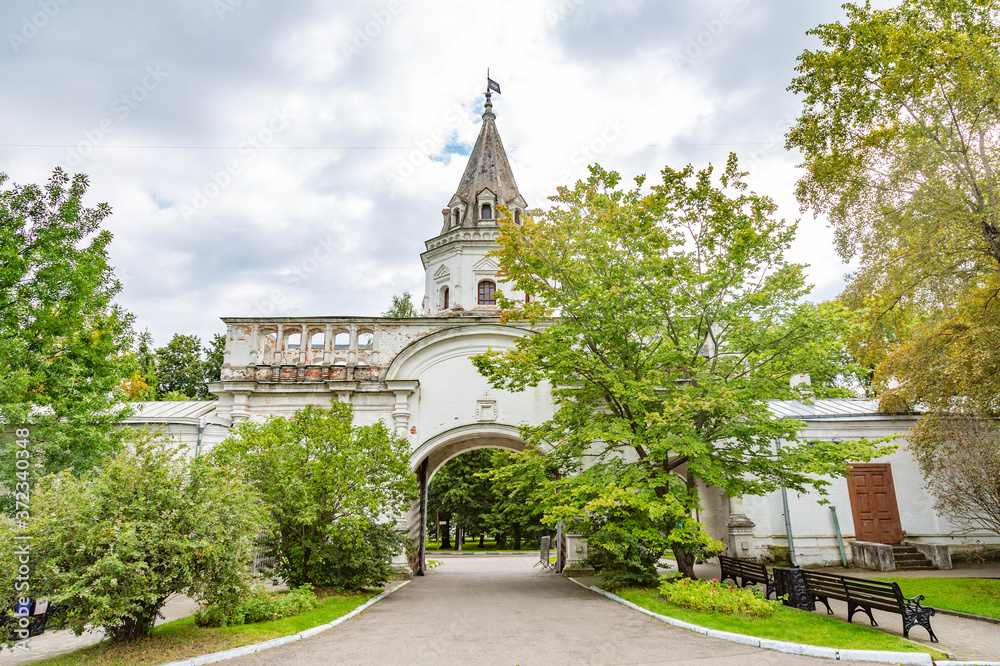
(182, 639)
(788, 624)
(980, 596)
(489, 546)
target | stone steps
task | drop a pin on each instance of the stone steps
(908, 558)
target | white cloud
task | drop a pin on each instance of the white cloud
(370, 88)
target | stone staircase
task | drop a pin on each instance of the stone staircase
(908, 558)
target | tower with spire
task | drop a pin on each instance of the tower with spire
(459, 278)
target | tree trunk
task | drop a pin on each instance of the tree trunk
(482, 541)
(446, 537)
(138, 627)
(685, 562)
(459, 537)
(517, 536)
(501, 540)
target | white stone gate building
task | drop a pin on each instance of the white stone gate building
(416, 376)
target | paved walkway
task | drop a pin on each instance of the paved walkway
(961, 637)
(500, 610)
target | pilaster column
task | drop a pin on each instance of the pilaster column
(327, 344)
(254, 344)
(304, 345)
(279, 344)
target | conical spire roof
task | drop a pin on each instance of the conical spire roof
(488, 167)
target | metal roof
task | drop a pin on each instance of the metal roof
(827, 408)
(172, 411)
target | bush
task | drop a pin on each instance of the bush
(712, 595)
(114, 544)
(327, 484)
(258, 605)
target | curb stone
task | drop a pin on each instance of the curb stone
(275, 642)
(915, 658)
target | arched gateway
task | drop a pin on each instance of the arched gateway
(414, 374)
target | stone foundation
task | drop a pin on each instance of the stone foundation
(874, 556)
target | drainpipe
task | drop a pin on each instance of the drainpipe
(788, 528)
(788, 519)
(840, 537)
(201, 431)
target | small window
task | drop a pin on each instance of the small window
(517, 216)
(365, 340)
(294, 341)
(444, 299)
(341, 341)
(487, 212)
(317, 341)
(527, 299)
(487, 293)
(454, 217)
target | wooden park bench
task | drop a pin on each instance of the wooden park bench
(745, 573)
(866, 595)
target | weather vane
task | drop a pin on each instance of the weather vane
(491, 85)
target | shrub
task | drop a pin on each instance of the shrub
(258, 605)
(327, 484)
(114, 544)
(712, 595)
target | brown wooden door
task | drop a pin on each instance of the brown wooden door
(873, 503)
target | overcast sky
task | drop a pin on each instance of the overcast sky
(267, 158)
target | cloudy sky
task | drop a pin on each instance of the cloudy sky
(267, 158)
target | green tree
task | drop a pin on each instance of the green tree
(461, 495)
(328, 486)
(115, 543)
(402, 307)
(142, 384)
(214, 356)
(678, 318)
(518, 483)
(63, 342)
(898, 132)
(180, 367)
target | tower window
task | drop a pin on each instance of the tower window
(444, 299)
(454, 217)
(517, 216)
(487, 293)
(487, 212)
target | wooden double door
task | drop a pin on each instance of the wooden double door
(873, 503)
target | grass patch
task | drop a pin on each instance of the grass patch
(489, 546)
(979, 596)
(182, 639)
(788, 624)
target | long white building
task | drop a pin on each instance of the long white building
(415, 375)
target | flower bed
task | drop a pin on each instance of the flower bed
(712, 595)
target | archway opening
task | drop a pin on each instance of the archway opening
(475, 504)
(431, 461)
